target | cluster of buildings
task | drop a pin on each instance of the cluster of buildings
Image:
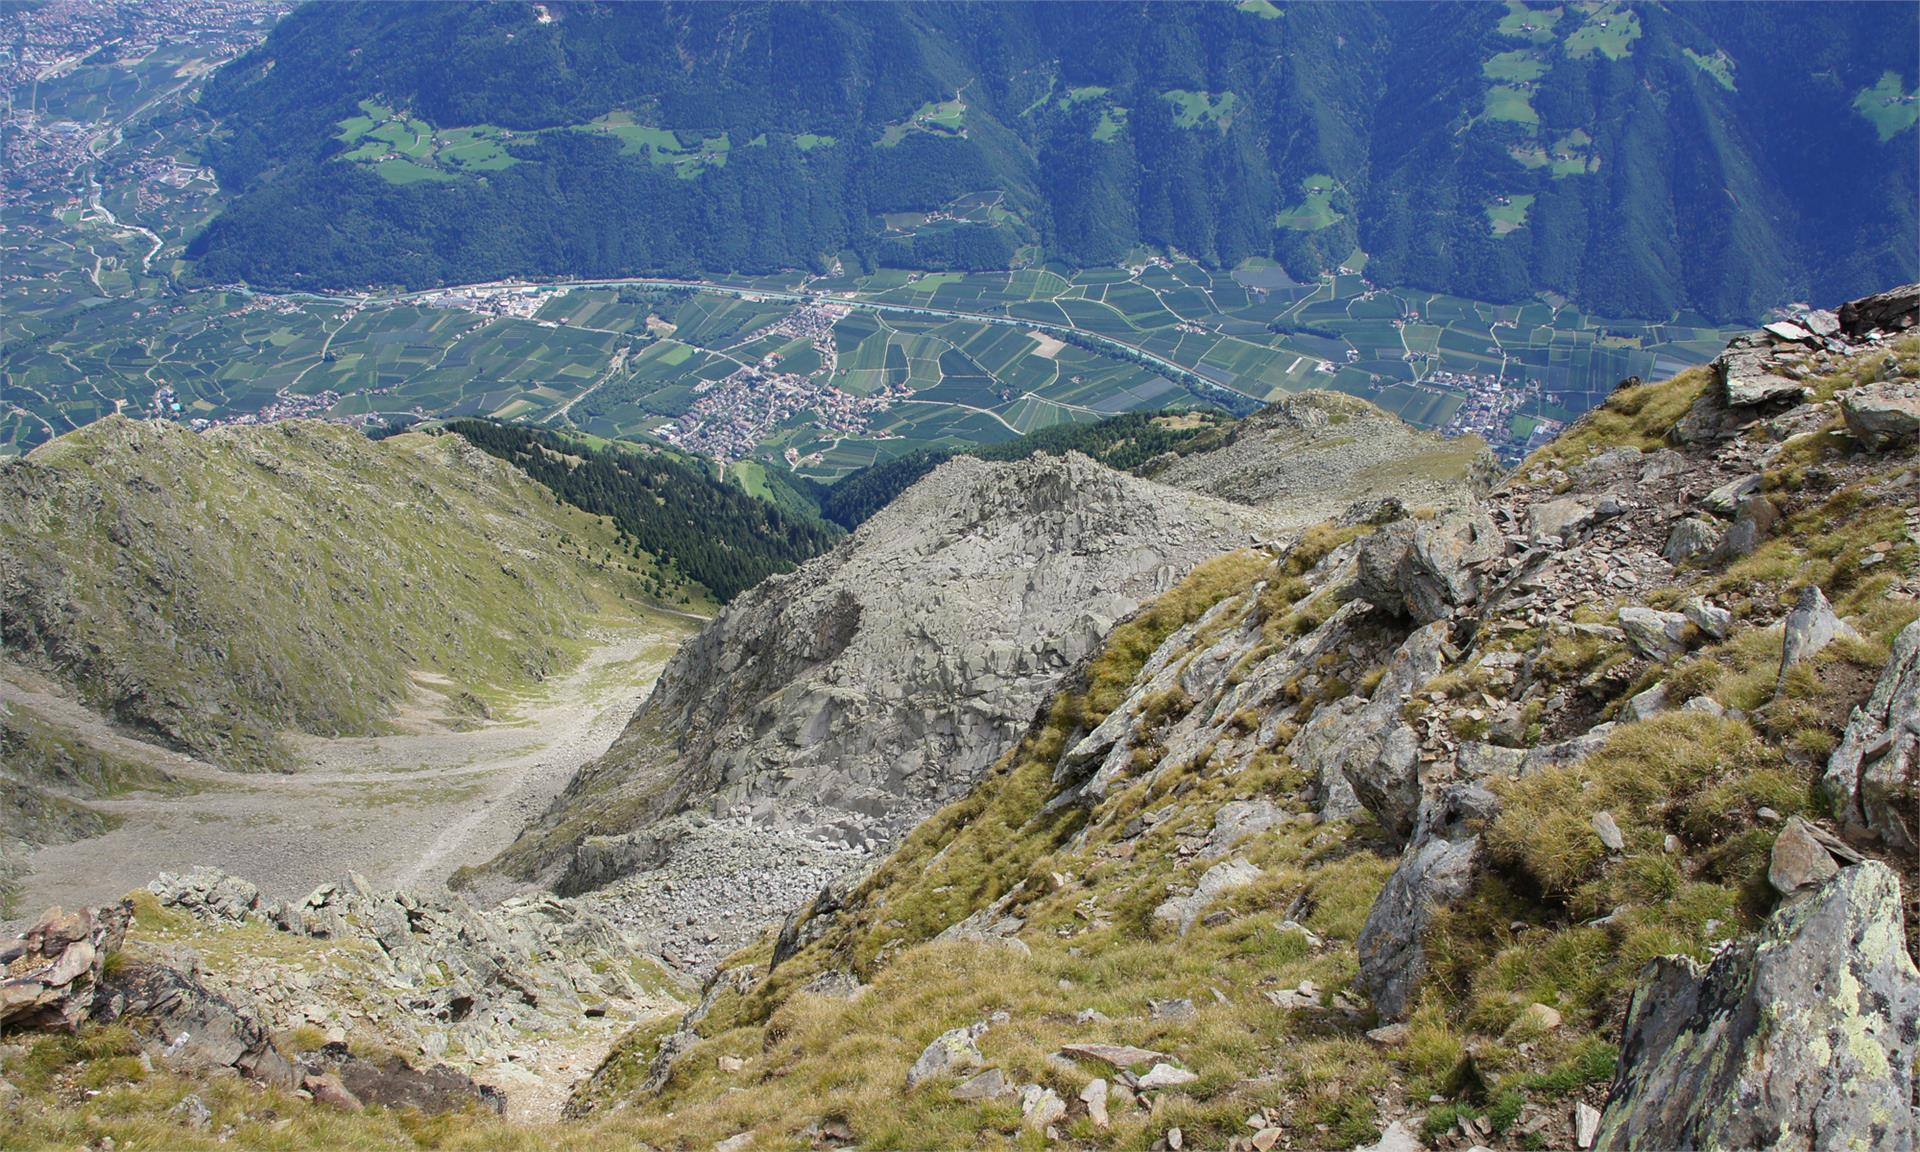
(1490, 409)
(167, 405)
(731, 416)
(519, 301)
(43, 149)
(808, 322)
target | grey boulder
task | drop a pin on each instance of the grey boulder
(1691, 539)
(1883, 416)
(1873, 777)
(1801, 1037)
(1811, 626)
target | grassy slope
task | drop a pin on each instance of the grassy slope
(216, 589)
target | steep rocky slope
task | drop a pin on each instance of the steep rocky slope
(826, 713)
(1380, 829)
(211, 591)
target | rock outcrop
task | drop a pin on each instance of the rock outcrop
(1801, 1037)
(1872, 780)
(53, 971)
(826, 712)
(443, 979)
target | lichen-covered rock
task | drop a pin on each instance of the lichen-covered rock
(1219, 879)
(1883, 416)
(1811, 626)
(1660, 635)
(952, 1051)
(1238, 821)
(208, 893)
(1872, 779)
(1802, 1037)
(1691, 539)
(1436, 869)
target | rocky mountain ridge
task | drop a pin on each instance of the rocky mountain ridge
(826, 713)
(1394, 819)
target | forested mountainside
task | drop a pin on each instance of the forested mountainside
(663, 505)
(1640, 159)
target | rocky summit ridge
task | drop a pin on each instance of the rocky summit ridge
(827, 712)
(1572, 810)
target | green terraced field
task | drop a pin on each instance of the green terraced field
(939, 118)
(1890, 110)
(1509, 217)
(1315, 211)
(1511, 104)
(1609, 31)
(1191, 109)
(406, 150)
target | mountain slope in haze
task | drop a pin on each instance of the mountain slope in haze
(212, 590)
(841, 704)
(1640, 159)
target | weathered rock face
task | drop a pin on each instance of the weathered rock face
(1436, 869)
(1872, 779)
(844, 702)
(1750, 372)
(1802, 1037)
(1883, 416)
(52, 972)
(1893, 311)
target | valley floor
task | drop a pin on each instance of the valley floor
(403, 809)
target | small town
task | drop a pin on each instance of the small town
(42, 153)
(735, 414)
(1491, 409)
